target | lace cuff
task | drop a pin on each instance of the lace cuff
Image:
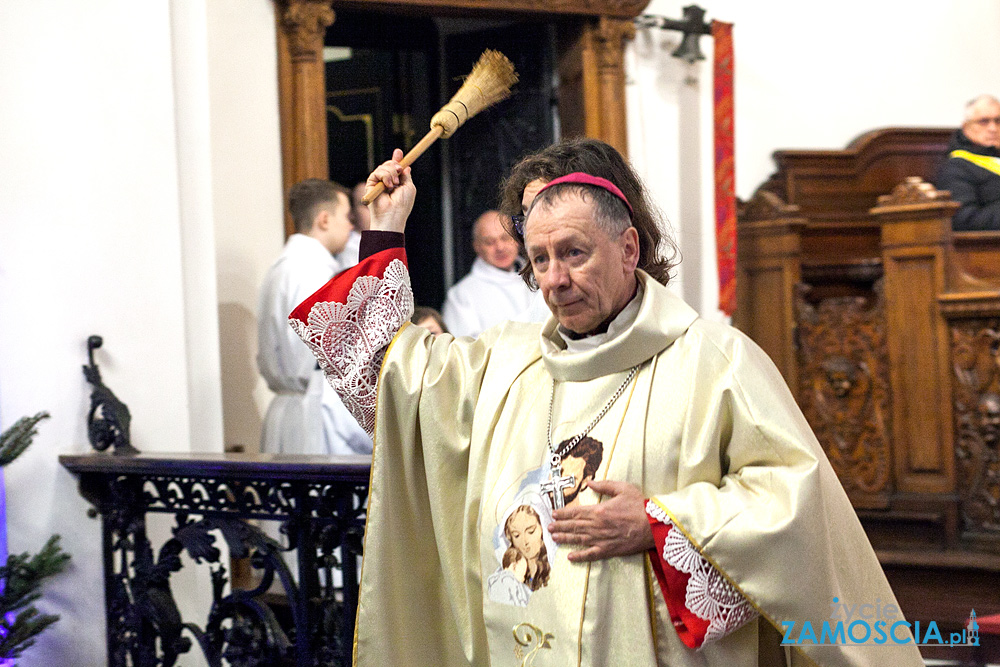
(703, 605)
(349, 323)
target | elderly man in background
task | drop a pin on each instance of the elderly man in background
(492, 292)
(306, 416)
(972, 170)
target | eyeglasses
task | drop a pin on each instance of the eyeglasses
(983, 122)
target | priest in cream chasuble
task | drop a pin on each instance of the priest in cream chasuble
(648, 494)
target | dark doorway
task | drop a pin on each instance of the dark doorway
(482, 153)
(387, 75)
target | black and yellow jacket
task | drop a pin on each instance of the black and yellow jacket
(972, 174)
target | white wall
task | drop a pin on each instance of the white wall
(139, 171)
(248, 209)
(808, 75)
(90, 245)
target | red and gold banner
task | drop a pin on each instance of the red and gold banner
(725, 178)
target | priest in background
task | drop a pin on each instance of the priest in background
(709, 519)
(492, 292)
(306, 416)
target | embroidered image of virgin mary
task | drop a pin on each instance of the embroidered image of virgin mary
(523, 546)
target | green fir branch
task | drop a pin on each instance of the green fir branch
(17, 636)
(22, 576)
(18, 437)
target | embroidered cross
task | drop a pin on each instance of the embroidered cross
(555, 485)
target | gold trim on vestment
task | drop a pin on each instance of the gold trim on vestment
(540, 639)
(725, 575)
(652, 585)
(600, 496)
(651, 592)
(497, 514)
(371, 471)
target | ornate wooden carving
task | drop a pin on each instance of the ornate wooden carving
(306, 22)
(937, 426)
(844, 388)
(913, 190)
(765, 205)
(616, 8)
(301, 83)
(976, 363)
(841, 185)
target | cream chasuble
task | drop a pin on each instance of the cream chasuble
(459, 567)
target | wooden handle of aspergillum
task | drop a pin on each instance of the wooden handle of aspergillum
(407, 160)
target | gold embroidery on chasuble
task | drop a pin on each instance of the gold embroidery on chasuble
(528, 581)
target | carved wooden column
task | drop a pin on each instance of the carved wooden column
(592, 79)
(610, 46)
(301, 79)
(768, 267)
(915, 225)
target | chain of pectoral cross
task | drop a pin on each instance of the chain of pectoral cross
(557, 483)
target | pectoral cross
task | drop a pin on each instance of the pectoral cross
(555, 485)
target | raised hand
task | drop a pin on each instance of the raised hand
(390, 209)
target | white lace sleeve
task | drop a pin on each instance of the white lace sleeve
(709, 596)
(350, 339)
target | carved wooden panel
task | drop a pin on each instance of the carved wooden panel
(842, 185)
(768, 266)
(974, 261)
(976, 363)
(844, 388)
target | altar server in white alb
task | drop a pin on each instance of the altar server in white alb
(625, 484)
(492, 292)
(306, 416)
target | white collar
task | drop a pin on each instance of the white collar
(616, 327)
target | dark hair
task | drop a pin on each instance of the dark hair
(421, 313)
(597, 159)
(306, 197)
(591, 451)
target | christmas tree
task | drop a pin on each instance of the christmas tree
(21, 578)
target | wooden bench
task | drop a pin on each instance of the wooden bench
(886, 325)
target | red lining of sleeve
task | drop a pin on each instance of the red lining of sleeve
(673, 585)
(339, 287)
